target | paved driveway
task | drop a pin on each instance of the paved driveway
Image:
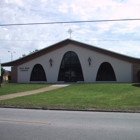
(9, 96)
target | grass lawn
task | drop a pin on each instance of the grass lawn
(9, 88)
(117, 97)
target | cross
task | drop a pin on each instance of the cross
(70, 31)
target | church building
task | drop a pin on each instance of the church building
(73, 61)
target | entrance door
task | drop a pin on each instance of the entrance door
(70, 68)
(70, 75)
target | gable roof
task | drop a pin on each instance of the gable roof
(66, 42)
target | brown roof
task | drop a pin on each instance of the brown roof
(66, 42)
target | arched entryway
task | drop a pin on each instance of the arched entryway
(106, 73)
(70, 68)
(38, 73)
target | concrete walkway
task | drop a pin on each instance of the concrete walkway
(20, 94)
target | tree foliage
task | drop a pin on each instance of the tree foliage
(2, 73)
(36, 50)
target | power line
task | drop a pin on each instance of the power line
(67, 22)
(116, 40)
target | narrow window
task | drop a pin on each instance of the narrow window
(38, 73)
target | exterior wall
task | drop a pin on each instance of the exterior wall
(122, 69)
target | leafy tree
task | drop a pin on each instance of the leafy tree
(2, 73)
(36, 50)
(23, 55)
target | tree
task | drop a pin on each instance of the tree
(2, 73)
(23, 55)
(36, 50)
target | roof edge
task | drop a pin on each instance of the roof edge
(70, 41)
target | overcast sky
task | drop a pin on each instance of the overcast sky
(122, 37)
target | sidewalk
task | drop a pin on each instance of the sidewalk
(20, 94)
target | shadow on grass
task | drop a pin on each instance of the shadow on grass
(136, 85)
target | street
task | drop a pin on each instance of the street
(28, 124)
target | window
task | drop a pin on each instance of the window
(105, 73)
(38, 73)
(70, 68)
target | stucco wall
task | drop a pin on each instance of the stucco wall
(122, 69)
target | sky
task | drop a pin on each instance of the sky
(121, 36)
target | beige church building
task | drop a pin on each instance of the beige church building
(73, 61)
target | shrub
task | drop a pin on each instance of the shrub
(2, 73)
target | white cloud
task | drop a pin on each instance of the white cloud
(5, 29)
(95, 41)
(81, 31)
(44, 1)
(127, 50)
(63, 8)
(19, 2)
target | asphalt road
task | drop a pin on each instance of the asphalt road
(23, 124)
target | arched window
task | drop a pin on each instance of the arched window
(70, 68)
(38, 73)
(105, 73)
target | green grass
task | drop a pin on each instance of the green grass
(83, 96)
(9, 88)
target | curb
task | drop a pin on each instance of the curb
(64, 109)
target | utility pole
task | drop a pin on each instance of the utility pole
(11, 55)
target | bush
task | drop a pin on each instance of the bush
(2, 73)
